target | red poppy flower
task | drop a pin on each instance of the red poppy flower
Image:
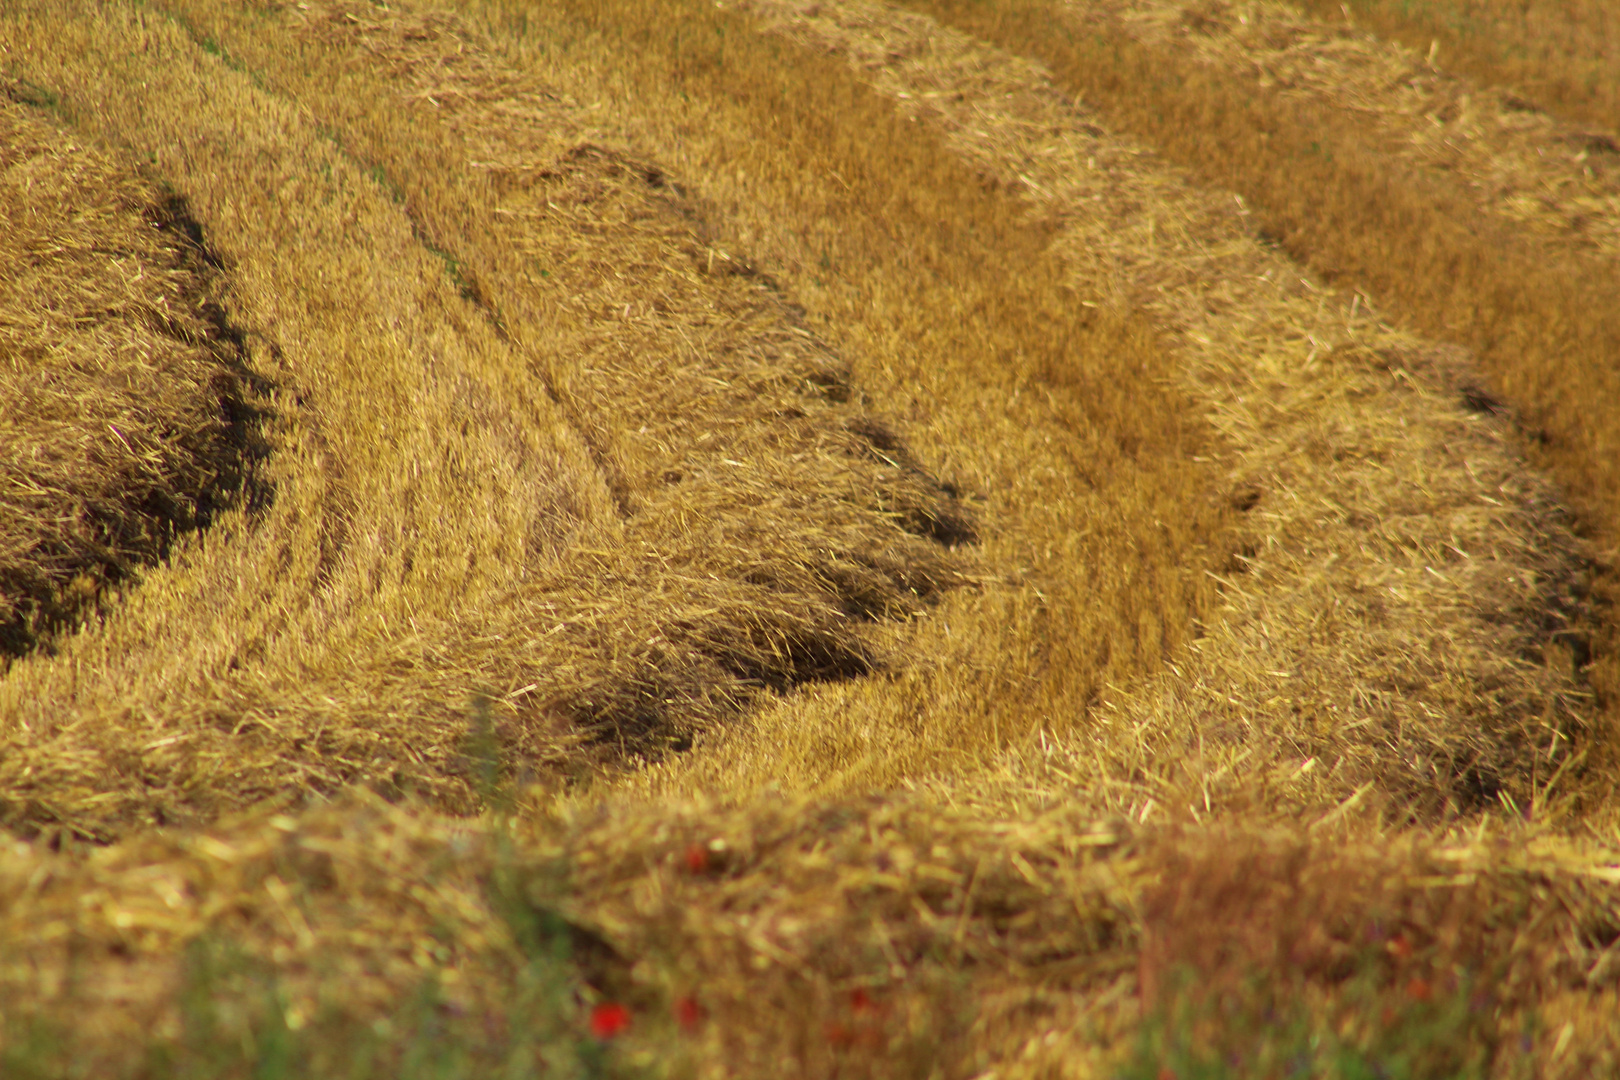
(697, 859)
(609, 1019)
(688, 1013)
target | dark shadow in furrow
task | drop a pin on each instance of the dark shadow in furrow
(63, 583)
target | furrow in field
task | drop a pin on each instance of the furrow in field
(956, 327)
(1396, 616)
(204, 688)
(594, 471)
(1358, 196)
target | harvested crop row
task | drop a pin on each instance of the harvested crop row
(617, 552)
(1558, 53)
(126, 416)
(601, 479)
(1325, 181)
(1384, 514)
(1536, 173)
(935, 293)
(1094, 474)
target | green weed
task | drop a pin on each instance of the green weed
(241, 1018)
(1366, 1029)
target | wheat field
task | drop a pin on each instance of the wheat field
(828, 538)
